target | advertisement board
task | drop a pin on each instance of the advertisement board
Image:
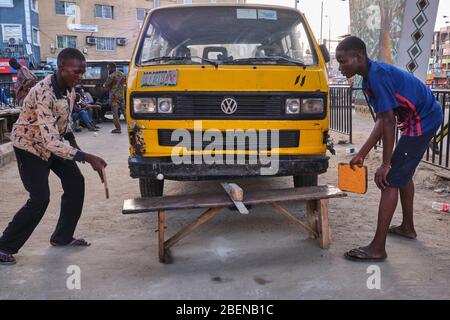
(5, 68)
(399, 32)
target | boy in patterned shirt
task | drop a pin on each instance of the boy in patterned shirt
(37, 138)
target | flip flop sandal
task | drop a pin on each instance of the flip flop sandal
(73, 243)
(7, 259)
(360, 255)
(394, 232)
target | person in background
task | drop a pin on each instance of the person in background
(86, 96)
(80, 112)
(89, 103)
(25, 80)
(116, 85)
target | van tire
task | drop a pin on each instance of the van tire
(306, 181)
(151, 187)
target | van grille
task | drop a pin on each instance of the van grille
(287, 139)
(195, 106)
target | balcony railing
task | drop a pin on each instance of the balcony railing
(12, 50)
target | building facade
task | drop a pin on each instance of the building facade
(439, 64)
(19, 35)
(101, 29)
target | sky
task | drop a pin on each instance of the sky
(336, 17)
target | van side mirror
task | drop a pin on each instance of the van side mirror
(325, 53)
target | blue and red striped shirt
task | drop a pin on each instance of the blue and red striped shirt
(414, 104)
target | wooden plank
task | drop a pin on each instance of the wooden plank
(310, 216)
(234, 191)
(241, 207)
(161, 219)
(206, 216)
(293, 218)
(237, 195)
(324, 225)
(213, 200)
(10, 112)
(105, 183)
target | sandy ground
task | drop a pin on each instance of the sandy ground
(259, 256)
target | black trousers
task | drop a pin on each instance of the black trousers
(34, 173)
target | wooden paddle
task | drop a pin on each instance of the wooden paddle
(105, 182)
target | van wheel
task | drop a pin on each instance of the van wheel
(151, 187)
(306, 181)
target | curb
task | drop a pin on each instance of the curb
(6, 154)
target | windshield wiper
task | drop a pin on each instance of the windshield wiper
(163, 58)
(170, 58)
(215, 64)
(262, 59)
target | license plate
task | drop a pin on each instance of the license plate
(166, 78)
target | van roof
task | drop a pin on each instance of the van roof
(237, 5)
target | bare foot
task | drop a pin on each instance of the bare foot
(402, 232)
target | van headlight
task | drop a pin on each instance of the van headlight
(292, 106)
(144, 105)
(312, 106)
(165, 105)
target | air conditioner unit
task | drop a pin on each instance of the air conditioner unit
(121, 41)
(90, 40)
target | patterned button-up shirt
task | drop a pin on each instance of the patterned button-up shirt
(44, 121)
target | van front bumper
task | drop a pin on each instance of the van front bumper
(151, 167)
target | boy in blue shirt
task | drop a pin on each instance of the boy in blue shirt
(394, 94)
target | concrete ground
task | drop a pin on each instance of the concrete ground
(259, 256)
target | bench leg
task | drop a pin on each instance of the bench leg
(161, 216)
(294, 219)
(203, 218)
(324, 225)
(310, 215)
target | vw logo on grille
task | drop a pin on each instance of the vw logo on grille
(229, 105)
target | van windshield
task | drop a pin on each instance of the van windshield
(226, 35)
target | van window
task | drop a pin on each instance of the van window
(226, 35)
(93, 73)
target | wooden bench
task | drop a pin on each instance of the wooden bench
(316, 210)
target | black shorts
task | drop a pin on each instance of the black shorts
(406, 157)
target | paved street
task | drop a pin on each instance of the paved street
(259, 256)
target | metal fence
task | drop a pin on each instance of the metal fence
(341, 109)
(7, 88)
(438, 152)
